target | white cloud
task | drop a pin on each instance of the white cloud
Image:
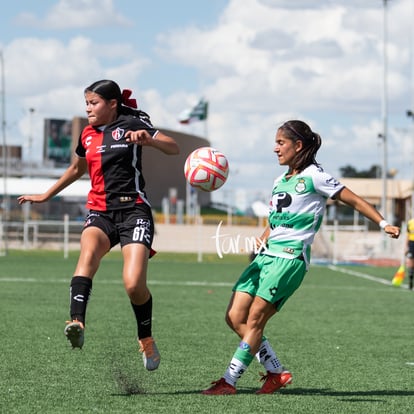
(40, 70)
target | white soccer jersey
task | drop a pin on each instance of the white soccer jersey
(296, 211)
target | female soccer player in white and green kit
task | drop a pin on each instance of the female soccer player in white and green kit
(297, 206)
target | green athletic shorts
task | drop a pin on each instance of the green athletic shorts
(274, 279)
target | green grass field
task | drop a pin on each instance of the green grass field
(347, 340)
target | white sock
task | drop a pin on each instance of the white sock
(234, 371)
(267, 357)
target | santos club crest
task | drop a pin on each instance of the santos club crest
(300, 186)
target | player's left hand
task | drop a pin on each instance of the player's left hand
(392, 231)
(140, 137)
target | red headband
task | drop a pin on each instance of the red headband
(132, 103)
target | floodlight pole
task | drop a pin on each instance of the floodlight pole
(410, 114)
(384, 134)
(4, 154)
(31, 112)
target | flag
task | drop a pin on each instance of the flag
(399, 276)
(198, 113)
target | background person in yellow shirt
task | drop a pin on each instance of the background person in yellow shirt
(409, 252)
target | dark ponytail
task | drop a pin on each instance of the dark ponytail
(109, 89)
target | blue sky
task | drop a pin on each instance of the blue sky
(257, 62)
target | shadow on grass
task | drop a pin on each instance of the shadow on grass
(351, 396)
(332, 393)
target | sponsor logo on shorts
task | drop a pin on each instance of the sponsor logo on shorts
(273, 291)
(125, 199)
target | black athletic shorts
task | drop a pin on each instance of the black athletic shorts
(410, 253)
(133, 225)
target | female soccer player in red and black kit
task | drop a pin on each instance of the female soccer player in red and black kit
(110, 149)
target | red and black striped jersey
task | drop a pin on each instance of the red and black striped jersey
(115, 166)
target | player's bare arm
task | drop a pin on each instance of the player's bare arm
(261, 241)
(73, 173)
(350, 198)
(160, 141)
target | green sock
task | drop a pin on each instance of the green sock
(239, 363)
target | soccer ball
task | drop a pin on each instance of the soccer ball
(206, 168)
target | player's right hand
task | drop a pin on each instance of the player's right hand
(37, 198)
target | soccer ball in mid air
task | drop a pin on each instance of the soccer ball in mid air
(206, 168)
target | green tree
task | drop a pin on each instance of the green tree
(348, 171)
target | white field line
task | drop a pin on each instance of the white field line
(116, 282)
(195, 283)
(362, 275)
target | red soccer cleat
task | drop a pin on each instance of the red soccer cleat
(273, 382)
(150, 354)
(220, 387)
